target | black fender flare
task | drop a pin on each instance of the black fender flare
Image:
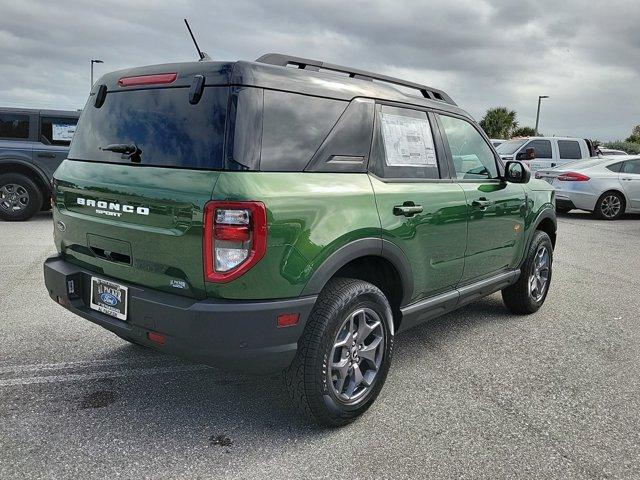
(46, 181)
(363, 247)
(546, 213)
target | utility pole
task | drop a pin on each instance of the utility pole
(92, 62)
(538, 113)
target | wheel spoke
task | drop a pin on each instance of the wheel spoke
(369, 352)
(364, 329)
(357, 376)
(341, 369)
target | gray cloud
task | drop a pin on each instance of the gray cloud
(483, 53)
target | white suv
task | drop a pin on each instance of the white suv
(545, 152)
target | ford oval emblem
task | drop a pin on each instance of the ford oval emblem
(108, 299)
(61, 226)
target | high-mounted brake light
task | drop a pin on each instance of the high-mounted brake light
(573, 177)
(155, 79)
(234, 238)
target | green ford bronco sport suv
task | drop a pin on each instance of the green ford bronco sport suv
(288, 215)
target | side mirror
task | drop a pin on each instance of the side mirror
(516, 172)
(527, 154)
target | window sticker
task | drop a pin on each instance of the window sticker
(407, 141)
(62, 132)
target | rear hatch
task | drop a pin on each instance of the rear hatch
(143, 163)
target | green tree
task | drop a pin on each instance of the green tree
(524, 132)
(635, 135)
(629, 147)
(499, 122)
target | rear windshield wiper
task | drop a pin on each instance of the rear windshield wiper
(129, 151)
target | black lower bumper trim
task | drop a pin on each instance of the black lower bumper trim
(564, 204)
(234, 335)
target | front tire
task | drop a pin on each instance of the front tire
(20, 197)
(530, 291)
(344, 354)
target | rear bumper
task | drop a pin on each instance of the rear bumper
(239, 336)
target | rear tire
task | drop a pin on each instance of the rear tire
(610, 206)
(20, 197)
(530, 291)
(344, 354)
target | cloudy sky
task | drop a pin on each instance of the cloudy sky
(584, 55)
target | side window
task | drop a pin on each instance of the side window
(294, 126)
(615, 167)
(542, 148)
(472, 157)
(406, 144)
(57, 130)
(14, 126)
(569, 149)
(631, 167)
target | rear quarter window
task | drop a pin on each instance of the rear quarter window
(294, 126)
(169, 130)
(14, 126)
(615, 167)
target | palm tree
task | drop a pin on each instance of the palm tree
(499, 122)
(525, 132)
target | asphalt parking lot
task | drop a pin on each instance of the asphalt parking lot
(479, 393)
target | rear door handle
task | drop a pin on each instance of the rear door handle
(481, 204)
(408, 209)
(47, 155)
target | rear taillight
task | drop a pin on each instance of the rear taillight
(235, 238)
(155, 79)
(573, 177)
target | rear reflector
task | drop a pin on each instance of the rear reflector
(288, 319)
(158, 338)
(157, 79)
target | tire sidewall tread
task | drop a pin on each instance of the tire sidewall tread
(306, 377)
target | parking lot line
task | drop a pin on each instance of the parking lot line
(75, 377)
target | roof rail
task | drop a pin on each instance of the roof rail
(316, 65)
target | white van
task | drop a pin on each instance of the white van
(546, 152)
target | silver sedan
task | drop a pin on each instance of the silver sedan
(608, 187)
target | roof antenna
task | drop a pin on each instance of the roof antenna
(201, 54)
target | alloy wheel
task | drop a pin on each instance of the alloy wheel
(356, 355)
(13, 197)
(539, 278)
(611, 206)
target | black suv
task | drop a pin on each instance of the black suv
(32, 145)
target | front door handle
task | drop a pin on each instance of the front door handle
(47, 155)
(408, 209)
(481, 204)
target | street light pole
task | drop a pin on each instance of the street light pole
(92, 62)
(538, 113)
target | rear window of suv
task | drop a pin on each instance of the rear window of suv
(161, 122)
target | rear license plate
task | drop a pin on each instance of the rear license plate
(109, 298)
